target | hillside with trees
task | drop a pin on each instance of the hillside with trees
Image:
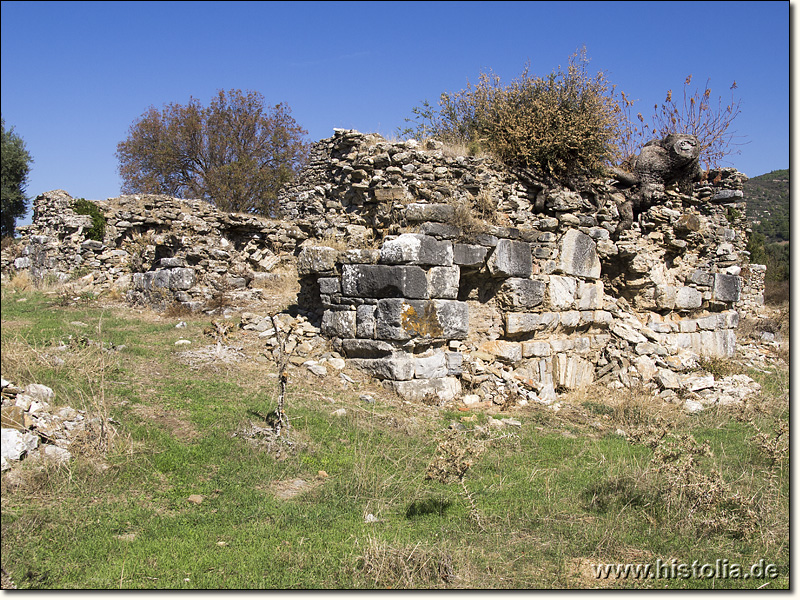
(768, 210)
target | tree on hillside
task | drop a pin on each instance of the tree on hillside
(236, 153)
(15, 168)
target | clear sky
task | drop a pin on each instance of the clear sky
(75, 75)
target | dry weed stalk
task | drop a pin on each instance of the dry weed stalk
(455, 455)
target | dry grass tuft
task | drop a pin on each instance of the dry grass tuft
(405, 567)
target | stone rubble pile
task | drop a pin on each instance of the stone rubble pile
(34, 430)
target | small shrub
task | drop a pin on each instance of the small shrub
(98, 229)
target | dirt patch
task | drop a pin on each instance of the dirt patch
(178, 427)
(288, 489)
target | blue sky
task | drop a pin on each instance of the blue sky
(75, 75)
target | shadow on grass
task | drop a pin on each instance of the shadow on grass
(428, 506)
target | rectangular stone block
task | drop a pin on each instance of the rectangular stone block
(520, 323)
(537, 349)
(363, 348)
(384, 281)
(510, 259)
(572, 372)
(578, 255)
(727, 288)
(443, 282)
(365, 321)
(439, 213)
(520, 294)
(430, 367)
(316, 259)
(469, 255)
(339, 324)
(401, 320)
(562, 292)
(396, 367)
(181, 278)
(417, 249)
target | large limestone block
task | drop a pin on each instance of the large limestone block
(562, 292)
(341, 324)
(688, 298)
(417, 249)
(510, 259)
(572, 372)
(509, 352)
(396, 367)
(578, 255)
(384, 281)
(443, 282)
(431, 367)
(181, 278)
(400, 320)
(727, 288)
(590, 295)
(316, 259)
(439, 213)
(469, 255)
(363, 348)
(519, 294)
(419, 390)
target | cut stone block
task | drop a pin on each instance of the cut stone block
(384, 281)
(469, 255)
(443, 282)
(316, 259)
(418, 390)
(688, 298)
(400, 320)
(562, 292)
(341, 324)
(417, 249)
(578, 255)
(727, 288)
(510, 259)
(517, 293)
(440, 213)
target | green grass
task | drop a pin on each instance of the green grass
(566, 491)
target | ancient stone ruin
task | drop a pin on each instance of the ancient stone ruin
(451, 276)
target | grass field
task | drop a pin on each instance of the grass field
(184, 498)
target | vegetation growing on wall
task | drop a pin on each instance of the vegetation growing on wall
(98, 229)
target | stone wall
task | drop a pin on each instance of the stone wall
(446, 275)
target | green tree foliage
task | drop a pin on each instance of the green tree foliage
(235, 153)
(15, 168)
(564, 125)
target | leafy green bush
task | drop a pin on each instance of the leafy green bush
(98, 229)
(564, 125)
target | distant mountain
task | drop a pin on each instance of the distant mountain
(767, 199)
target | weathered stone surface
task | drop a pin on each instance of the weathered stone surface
(590, 295)
(469, 255)
(509, 352)
(384, 281)
(397, 367)
(363, 348)
(440, 213)
(431, 367)
(520, 323)
(401, 320)
(443, 282)
(519, 294)
(316, 259)
(510, 259)
(562, 292)
(572, 372)
(688, 298)
(727, 288)
(578, 255)
(181, 278)
(341, 324)
(419, 390)
(417, 249)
